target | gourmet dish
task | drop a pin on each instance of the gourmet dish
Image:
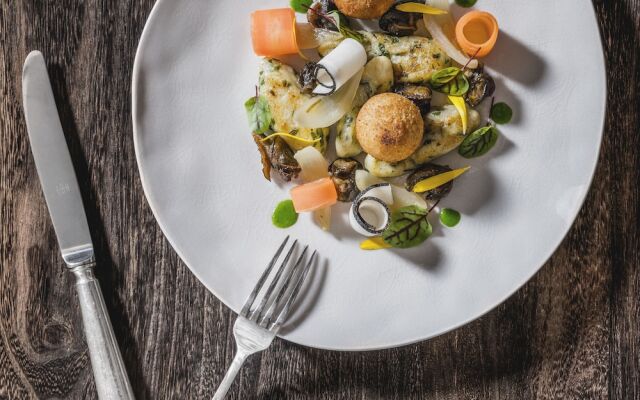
(348, 114)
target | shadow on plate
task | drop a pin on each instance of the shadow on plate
(522, 64)
(309, 295)
(427, 255)
(504, 94)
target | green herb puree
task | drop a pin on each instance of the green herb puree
(284, 215)
(449, 217)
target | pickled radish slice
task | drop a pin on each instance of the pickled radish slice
(273, 32)
(314, 195)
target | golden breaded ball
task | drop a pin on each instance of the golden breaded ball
(389, 127)
(364, 9)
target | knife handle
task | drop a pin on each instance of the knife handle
(108, 368)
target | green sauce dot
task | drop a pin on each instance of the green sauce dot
(449, 217)
(466, 3)
(501, 113)
(284, 215)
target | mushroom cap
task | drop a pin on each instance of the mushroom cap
(389, 127)
(364, 9)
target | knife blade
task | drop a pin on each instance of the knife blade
(62, 195)
(53, 163)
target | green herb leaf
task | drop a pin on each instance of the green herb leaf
(449, 217)
(409, 227)
(338, 20)
(501, 113)
(444, 76)
(301, 6)
(479, 142)
(259, 114)
(451, 81)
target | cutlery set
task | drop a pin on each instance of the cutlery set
(262, 315)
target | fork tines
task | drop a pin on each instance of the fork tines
(275, 303)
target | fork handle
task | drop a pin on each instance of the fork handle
(230, 376)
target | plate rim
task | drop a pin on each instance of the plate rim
(145, 187)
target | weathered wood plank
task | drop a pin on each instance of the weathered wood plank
(571, 332)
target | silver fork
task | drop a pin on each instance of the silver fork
(255, 329)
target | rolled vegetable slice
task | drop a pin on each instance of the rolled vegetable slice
(369, 216)
(324, 111)
(340, 65)
(314, 195)
(477, 33)
(401, 196)
(382, 191)
(438, 180)
(273, 32)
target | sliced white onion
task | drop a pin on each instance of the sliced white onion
(342, 63)
(369, 216)
(364, 179)
(381, 191)
(313, 164)
(401, 196)
(405, 198)
(324, 111)
(322, 217)
(438, 25)
(313, 167)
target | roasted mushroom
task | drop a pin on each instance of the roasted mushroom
(343, 174)
(281, 157)
(427, 171)
(481, 86)
(308, 78)
(399, 23)
(264, 157)
(316, 15)
(420, 95)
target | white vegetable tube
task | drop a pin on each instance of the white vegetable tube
(346, 60)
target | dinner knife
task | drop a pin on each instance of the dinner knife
(62, 195)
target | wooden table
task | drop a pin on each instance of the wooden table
(572, 332)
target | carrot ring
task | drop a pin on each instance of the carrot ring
(273, 32)
(473, 22)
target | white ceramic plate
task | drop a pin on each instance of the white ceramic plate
(201, 174)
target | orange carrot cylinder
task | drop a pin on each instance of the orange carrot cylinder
(477, 33)
(273, 32)
(314, 195)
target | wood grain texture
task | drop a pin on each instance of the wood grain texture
(573, 332)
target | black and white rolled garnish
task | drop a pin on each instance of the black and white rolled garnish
(341, 64)
(382, 190)
(370, 215)
(309, 78)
